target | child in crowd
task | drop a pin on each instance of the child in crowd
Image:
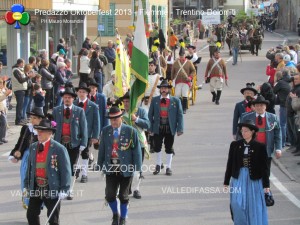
(38, 96)
(4, 92)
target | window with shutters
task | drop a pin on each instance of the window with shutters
(108, 21)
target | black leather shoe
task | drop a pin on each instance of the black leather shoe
(295, 151)
(70, 196)
(217, 102)
(84, 179)
(115, 219)
(137, 194)
(298, 154)
(168, 172)
(122, 221)
(157, 170)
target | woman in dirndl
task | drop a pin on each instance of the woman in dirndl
(247, 173)
(28, 136)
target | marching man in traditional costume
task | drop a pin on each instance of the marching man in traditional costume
(93, 125)
(269, 132)
(71, 130)
(48, 178)
(151, 90)
(182, 73)
(215, 74)
(166, 118)
(140, 122)
(119, 157)
(241, 107)
(100, 100)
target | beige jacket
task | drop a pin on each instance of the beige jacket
(2, 102)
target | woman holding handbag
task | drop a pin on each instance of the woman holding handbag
(21, 150)
(247, 173)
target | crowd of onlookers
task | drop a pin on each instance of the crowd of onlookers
(39, 80)
(283, 89)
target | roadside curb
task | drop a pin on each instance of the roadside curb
(287, 39)
(283, 169)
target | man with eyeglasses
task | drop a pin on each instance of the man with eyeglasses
(269, 131)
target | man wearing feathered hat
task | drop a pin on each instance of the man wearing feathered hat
(49, 175)
(140, 122)
(249, 92)
(269, 131)
(93, 125)
(166, 119)
(182, 74)
(71, 130)
(216, 75)
(119, 157)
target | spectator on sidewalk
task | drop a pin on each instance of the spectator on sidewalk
(296, 108)
(62, 45)
(61, 56)
(38, 97)
(110, 54)
(32, 63)
(28, 93)
(96, 66)
(279, 60)
(297, 50)
(282, 89)
(291, 115)
(270, 71)
(294, 56)
(47, 84)
(86, 44)
(61, 79)
(84, 69)
(19, 87)
(4, 92)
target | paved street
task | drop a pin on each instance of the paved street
(194, 194)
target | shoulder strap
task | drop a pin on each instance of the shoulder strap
(181, 67)
(154, 88)
(216, 63)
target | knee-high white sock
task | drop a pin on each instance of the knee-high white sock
(84, 166)
(158, 158)
(169, 160)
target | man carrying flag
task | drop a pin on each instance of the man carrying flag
(139, 62)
